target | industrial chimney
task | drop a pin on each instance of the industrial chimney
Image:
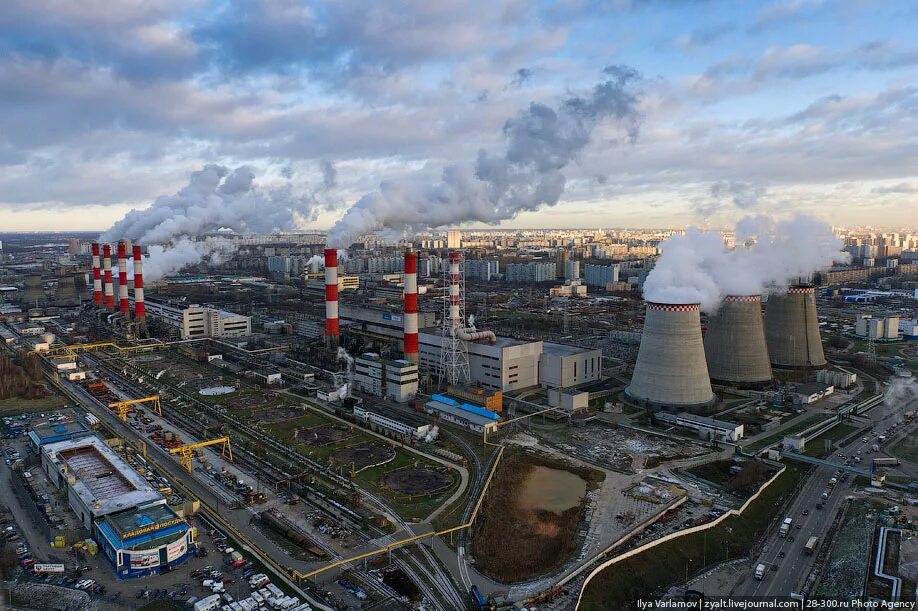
(123, 302)
(792, 329)
(96, 275)
(109, 290)
(411, 307)
(140, 307)
(671, 371)
(331, 298)
(735, 343)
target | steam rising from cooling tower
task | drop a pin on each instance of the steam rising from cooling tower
(698, 268)
(541, 141)
(215, 198)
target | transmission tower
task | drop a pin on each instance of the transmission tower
(454, 355)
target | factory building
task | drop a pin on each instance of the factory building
(381, 321)
(600, 275)
(506, 365)
(671, 371)
(138, 533)
(530, 272)
(792, 329)
(562, 366)
(706, 428)
(195, 321)
(398, 427)
(53, 432)
(397, 379)
(734, 344)
(464, 414)
(837, 378)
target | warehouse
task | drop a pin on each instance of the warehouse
(707, 428)
(136, 530)
(506, 365)
(470, 416)
(396, 426)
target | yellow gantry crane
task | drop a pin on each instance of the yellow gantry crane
(186, 452)
(123, 407)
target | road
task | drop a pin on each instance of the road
(794, 567)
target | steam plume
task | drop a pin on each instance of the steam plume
(214, 198)
(698, 267)
(540, 142)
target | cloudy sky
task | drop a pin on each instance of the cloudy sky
(746, 106)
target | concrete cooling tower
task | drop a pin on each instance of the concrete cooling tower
(735, 345)
(34, 294)
(66, 291)
(792, 329)
(671, 371)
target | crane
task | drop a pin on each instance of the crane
(186, 452)
(122, 407)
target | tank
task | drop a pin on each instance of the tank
(671, 370)
(792, 329)
(734, 344)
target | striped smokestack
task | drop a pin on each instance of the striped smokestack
(109, 290)
(140, 307)
(96, 275)
(331, 298)
(455, 317)
(123, 303)
(411, 307)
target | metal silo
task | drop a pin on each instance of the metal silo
(735, 345)
(671, 371)
(792, 329)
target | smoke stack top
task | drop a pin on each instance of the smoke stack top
(697, 267)
(540, 142)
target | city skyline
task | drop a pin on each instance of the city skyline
(761, 108)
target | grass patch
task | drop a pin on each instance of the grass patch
(817, 447)
(742, 484)
(906, 449)
(844, 573)
(513, 543)
(650, 574)
(23, 406)
(791, 430)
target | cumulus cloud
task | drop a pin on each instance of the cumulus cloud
(730, 194)
(901, 188)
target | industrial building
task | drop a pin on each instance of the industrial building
(734, 344)
(506, 365)
(196, 321)
(869, 327)
(53, 432)
(706, 428)
(792, 329)
(837, 378)
(464, 414)
(408, 431)
(396, 379)
(671, 371)
(381, 321)
(562, 366)
(136, 530)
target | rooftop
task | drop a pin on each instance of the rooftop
(564, 349)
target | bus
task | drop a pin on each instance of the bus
(477, 599)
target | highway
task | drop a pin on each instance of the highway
(794, 567)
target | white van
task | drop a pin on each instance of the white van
(209, 603)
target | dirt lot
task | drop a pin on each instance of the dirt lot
(319, 436)
(362, 456)
(513, 542)
(416, 481)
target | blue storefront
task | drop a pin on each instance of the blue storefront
(144, 541)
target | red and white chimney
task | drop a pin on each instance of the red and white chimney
(140, 307)
(107, 279)
(96, 275)
(123, 303)
(331, 297)
(411, 307)
(455, 317)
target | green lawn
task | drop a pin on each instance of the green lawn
(650, 574)
(817, 447)
(21, 406)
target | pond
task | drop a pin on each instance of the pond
(552, 490)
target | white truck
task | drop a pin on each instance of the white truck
(785, 527)
(760, 572)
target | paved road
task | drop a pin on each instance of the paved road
(795, 566)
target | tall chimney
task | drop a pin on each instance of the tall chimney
(123, 303)
(455, 317)
(140, 307)
(96, 275)
(107, 281)
(331, 298)
(671, 370)
(411, 307)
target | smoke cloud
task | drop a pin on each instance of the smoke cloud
(697, 267)
(215, 198)
(727, 194)
(902, 392)
(540, 142)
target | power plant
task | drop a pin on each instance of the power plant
(734, 343)
(96, 275)
(331, 298)
(792, 329)
(411, 307)
(671, 371)
(108, 289)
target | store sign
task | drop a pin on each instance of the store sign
(144, 560)
(48, 568)
(176, 550)
(151, 528)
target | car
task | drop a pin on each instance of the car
(780, 554)
(797, 526)
(806, 512)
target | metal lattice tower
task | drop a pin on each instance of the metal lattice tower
(454, 356)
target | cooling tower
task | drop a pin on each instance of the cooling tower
(671, 370)
(66, 291)
(735, 343)
(34, 294)
(792, 329)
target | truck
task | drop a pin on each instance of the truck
(881, 438)
(833, 481)
(811, 545)
(785, 527)
(885, 461)
(760, 572)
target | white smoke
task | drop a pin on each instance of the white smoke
(902, 392)
(215, 198)
(349, 361)
(540, 142)
(699, 268)
(472, 321)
